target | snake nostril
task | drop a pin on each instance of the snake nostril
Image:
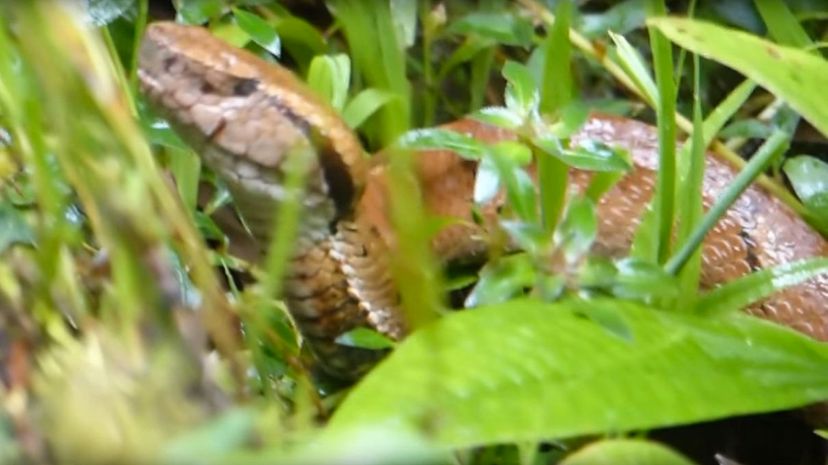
(207, 88)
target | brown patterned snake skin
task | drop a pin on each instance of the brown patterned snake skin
(244, 116)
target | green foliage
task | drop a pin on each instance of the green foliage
(792, 74)
(524, 370)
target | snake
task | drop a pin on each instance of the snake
(246, 116)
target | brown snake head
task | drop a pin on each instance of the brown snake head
(246, 116)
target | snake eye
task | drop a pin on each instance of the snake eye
(169, 62)
(245, 87)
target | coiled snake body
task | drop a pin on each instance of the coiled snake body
(245, 117)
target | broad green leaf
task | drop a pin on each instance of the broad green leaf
(793, 75)
(330, 77)
(809, 177)
(739, 293)
(527, 371)
(444, 139)
(625, 452)
(259, 30)
(364, 105)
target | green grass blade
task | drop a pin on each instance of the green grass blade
(365, 104)
(728, 107)
(556, 85)
(664, 196)
(689, 195)
(525, 371)
(379, 58)
(742, 292)
(555, 93)
(287, 221)
(771, 148)
(552, 178)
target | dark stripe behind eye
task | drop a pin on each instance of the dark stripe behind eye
(338, 178)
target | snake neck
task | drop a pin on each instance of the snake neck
(338, 278)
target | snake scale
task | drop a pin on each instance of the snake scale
(245, 116)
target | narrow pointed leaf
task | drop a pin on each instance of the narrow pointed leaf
(741, 292)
